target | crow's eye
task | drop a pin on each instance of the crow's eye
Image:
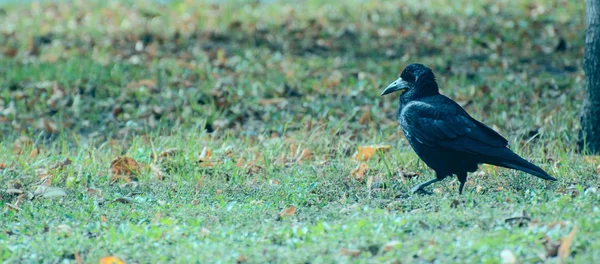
(408, 76)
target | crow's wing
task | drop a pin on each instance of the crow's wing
(443, 123)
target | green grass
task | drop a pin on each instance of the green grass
(257, 84)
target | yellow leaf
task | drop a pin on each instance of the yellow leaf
(290, 211)
(111, 260)
(366, 152)
(565, 245)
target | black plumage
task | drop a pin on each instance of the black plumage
(444, 135)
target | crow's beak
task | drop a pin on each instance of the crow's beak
(397, 85)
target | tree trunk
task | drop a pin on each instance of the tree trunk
(589, 136)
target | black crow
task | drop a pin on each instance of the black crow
(444, 136)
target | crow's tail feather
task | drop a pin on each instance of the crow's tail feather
(513, 161)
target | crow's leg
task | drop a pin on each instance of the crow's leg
(462, 178)
(421, 186)
(460, 188)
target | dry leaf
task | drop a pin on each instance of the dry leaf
(550, 246)
(305, 155)
(168, 153)
(366, 152)
(391, 245)
(157, 172)
(78, 259)
(365, 118)
(565, 245)
(61, 164)
(204, 158)
(64, 230)
(123, 168)
(290, 211)
(359, 172)
(151, 84)
(111, 260)
(3, 166)
(349, 252)
(21, 144)
(34, 152)
(592, 159)
(49, 192)
(241, 259)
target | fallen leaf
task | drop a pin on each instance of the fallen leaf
(550, 246)
(3, 166)
(111, 260)
(305, 155)
(204, 232)
(241, 259)
(158, 173)
(167, 153)
(123, 168)
(564, 249)
(64, 230)
(365, 118)
(147, 83)
(49, 192)
(290, 211)
(34, 152)
(78, 259)
(507, 257)
(61, 164)
(359, 172)
(204, 158)
(592, 159)
(394, 244)
(366, 152)
(349, 252)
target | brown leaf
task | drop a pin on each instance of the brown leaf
(61, 164)
(365, 118)
(3, 166)
(349, 252)
(123, 168)
(290, 211)
(550, 246)
(366, 152)
(158, 173)
(148, 83)
(305, 155)
(78, 259)
(168, 153)
(359, 172)
(22, 143)
(564, 249)
(389, 246)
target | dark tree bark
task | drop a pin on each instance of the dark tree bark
(589, 136)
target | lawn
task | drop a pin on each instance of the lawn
(195, 132)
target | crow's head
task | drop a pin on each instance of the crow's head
(415, 78)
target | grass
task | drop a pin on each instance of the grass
(283, 102)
